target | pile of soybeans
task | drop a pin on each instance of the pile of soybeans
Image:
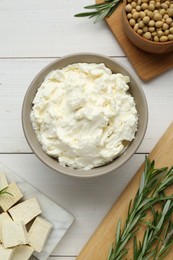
(151, 19)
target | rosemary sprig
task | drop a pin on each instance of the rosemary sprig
(166, 242)
(166, 181)
(153, 183)
(100, 11)
(144, 250)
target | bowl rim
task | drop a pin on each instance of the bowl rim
(139, 36)
(99, 171)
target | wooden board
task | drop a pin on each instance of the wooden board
(98, 246)
(146, 65)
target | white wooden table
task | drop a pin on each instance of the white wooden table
(32, 34)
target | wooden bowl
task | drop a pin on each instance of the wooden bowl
(142, 43)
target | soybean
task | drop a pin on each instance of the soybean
(151, 19)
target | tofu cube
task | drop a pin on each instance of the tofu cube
(7, 200)
(6, 254)
(3, 217)
(14, 234)
(3, 181)
(25, 211)
(39, 233)
(23, 252)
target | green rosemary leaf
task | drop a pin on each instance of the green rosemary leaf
(4, 191)
(135, 248)
(123, 253)
(167, 242)
(98, 6)
(118, 232)
(111, 10)
(156, 200)
(129, 208)
(121, 247)
(167, 181)
(146, 238)
(151, 191)
(153, 231)
(148, 257)
(102, 10)
(101, 16)
(110, 256)
(149, 224)
(164, 212)
(86, 14)
(142, 183)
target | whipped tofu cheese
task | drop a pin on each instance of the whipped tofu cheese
(83, 115)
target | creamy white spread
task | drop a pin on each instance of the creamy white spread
(83, 115)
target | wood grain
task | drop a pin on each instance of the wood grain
(99, 244)
(147, 65)
(30, 29)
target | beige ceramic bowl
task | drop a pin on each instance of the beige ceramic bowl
(135, 90)
(142, 43)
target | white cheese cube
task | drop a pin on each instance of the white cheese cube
(3, 217)
(3, 181)
(38, 233)
(23, 252)
(14, 234)
(6, 254)
(25, 211)
(7, 200)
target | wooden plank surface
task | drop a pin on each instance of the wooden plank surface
(147, 65)
(16, 75)
(99, 244)
(48, 28)
(32, 29)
